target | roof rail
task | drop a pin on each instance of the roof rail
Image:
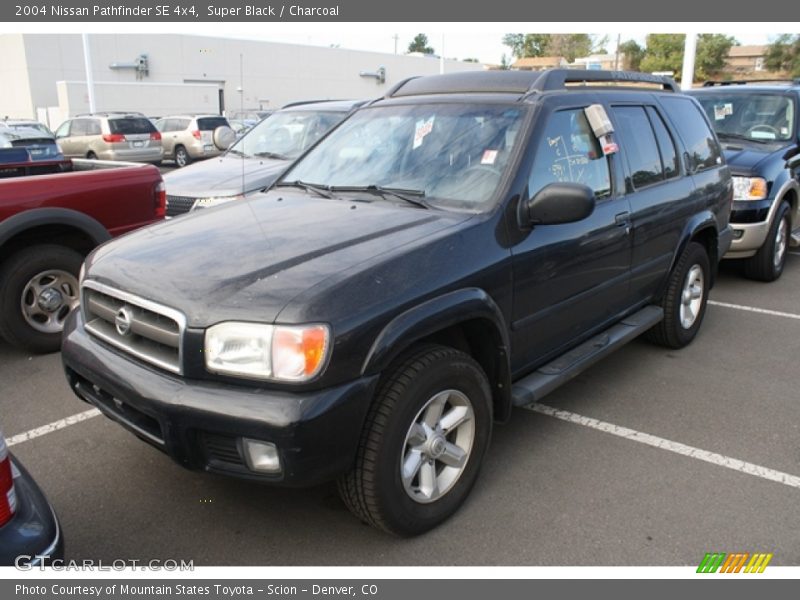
(557, 79)
(712, 83)
(398, 85)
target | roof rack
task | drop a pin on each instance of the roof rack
(712, 83)
(558, 79)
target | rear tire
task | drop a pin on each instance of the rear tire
(768, 262)
(91, 156)
(182, 157)
(40, 288)
(685, 300)
(422, 444)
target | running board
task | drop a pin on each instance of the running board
(559, 371)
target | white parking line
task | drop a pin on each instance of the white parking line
(664, 444)
(51, 427)
(763, 311)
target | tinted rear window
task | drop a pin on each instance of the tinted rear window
(131, 126)
(701, 144)
(211, 123)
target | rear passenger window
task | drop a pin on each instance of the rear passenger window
(669, 156)
(639, 143)
(93, 127)
(704, 152)
(569, 153)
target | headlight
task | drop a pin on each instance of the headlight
(275, 352)
(749, 188)
(209, 202)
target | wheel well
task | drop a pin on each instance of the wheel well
(791, 197)
(62, 235)
(708, 239)
(482, 341)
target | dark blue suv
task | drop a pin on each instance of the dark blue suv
(757, 125)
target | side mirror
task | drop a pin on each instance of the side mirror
(559, 203)
(223, 137)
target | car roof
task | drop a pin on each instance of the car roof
(192, 116)
(26, 133)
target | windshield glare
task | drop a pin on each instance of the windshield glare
(759, 117)
(454, 154)
(287, 134)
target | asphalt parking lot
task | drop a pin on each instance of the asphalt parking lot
(655, 458)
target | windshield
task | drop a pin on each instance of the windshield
(757, 116)
(287, 134)
(452, 154)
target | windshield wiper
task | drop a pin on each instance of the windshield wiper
(271, 155)
(411, 196)
(321, 190)
(238, 153)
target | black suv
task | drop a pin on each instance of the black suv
(757, 125)
(463, 245)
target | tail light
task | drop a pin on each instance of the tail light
(155, 136)
(197, 134)
(113, 138)
(8, 498)
(160, 200)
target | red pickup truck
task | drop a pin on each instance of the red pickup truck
(51, 215)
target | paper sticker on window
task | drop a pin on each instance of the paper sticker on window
(423, 128)
(722, 110)
(489, 156)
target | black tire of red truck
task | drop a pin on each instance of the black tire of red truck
(39, 289)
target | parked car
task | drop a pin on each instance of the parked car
(52, 213)
(29, 529)
(40, 146)
(241, 126)
(758, 127)
(255, 160)
(187, 138)
(25, 124)
(111, 136)
(466, 244)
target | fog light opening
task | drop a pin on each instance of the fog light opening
(261, 457)
(738, 233)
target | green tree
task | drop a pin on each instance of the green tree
(665, 53)
(420, 44)
(524, 45)
(632, 53)
(504, 64)
(568, 45)
(712, 50)
(784, 54)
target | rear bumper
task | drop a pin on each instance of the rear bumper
(133, 155)
(34, 532)
(201, 424)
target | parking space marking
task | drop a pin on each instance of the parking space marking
(665, 444)
(51, 427)
(763, 311)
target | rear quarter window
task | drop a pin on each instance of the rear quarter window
(131, 126)
(211, 123)
(701, 144)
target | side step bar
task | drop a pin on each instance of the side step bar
(547, 378)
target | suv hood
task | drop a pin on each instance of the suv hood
(224, 176)
(246, 260)
(746, 160)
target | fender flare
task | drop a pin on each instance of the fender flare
(438, 314)
(699, 223)
(39, 217)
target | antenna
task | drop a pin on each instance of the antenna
(241, 108)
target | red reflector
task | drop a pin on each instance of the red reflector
(113, 138)
(197, 134)
(8, 500)
(155, 136)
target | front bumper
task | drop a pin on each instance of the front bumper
(200, 424)
(34, 531)
(750, 222)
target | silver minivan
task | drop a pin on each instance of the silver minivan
(110, 136)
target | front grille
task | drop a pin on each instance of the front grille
(221, 451)
(178, 205)
(139, 327)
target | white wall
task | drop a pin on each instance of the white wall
(15, 100)
(271, 75)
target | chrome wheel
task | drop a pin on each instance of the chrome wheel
(691, 296)
(48, 298)
(181, 157)
(437, 446)
(781, 238)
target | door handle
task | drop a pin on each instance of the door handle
(623, 219)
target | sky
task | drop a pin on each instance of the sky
(461, 40)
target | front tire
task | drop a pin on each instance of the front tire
(685, 300)
(40, 288)
(423, 442)
(768, 262)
